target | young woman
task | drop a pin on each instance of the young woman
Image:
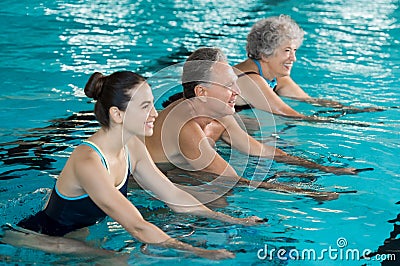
(93, 183)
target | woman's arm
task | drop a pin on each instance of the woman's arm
(96, 181)
(256, 92)
(209, 254)
(151, 178)
(288, 88)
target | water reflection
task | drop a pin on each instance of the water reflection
(107, 35)
(354, 34)
(38, 148)
(350, 52)
(391, 245)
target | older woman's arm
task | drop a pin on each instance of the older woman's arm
(287, 87)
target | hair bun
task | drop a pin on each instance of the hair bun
(94, 86)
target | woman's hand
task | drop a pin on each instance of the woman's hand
(201, 252)
(218, 254)
(252, 220)
(323, 196)
(345, 171)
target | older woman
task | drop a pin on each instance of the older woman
(263, 77)
(187, 130)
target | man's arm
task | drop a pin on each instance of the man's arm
(195, 147)
(151, 178)
(239, 139)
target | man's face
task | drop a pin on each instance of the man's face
(222, 89)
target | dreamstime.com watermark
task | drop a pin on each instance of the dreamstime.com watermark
(339, 252)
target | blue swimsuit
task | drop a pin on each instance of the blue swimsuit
(272, 83)
(65, 214)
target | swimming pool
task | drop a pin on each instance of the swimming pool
(350, 53)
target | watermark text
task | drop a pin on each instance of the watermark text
(338, 252)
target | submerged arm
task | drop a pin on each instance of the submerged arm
(242, 141)
(96, 181)
(279, 187)
(288, 88)
(283, 157)
(151, 178)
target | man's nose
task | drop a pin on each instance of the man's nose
(236, 89)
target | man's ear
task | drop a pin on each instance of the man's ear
(115, 114)
(200, 90)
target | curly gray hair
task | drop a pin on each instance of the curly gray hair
(268, 34)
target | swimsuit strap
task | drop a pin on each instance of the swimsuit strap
(259, 67)
(128, 169)
(98, 151)
(128, 159)
(103, 158)
(104, 161)
(272, 83)
(247, 73)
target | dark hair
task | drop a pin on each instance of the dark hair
(109, 91)
(172, 98)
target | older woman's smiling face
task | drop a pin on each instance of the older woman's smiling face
(281, 62)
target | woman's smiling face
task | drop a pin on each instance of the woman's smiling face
(140, 113)
(281, 62)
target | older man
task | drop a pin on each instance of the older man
(186, 131)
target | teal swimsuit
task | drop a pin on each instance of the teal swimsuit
(272, 83)
(66, 214)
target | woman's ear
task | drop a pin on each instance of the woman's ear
(115, 115)
(264, 58)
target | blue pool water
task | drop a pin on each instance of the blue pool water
(350, 53)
